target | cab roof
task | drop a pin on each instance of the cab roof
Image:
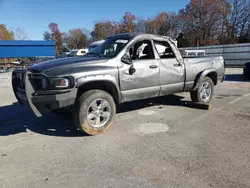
(139, 34)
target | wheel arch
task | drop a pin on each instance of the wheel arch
(104, 83)
(211, 73)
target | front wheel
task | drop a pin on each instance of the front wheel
(204, 93)
(94, 112)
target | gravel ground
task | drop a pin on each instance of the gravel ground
(164, 142)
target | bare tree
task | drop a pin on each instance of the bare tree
(202, 20)
(140, 25)
(104, 29)
(75, 39)
(239, 19)
(19, 34)
(56, 35)
(128, 23)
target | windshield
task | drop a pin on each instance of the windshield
(111, 47)
(91, 48)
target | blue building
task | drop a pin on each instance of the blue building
(26, 48)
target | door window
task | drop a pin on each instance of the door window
(164, 50)
(141, 50)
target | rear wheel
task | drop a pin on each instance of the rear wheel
(94, 112)
(204, 93)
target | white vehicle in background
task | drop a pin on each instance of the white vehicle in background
(64, 54)
(77, 52)
(18, 62)
(93, 45)
(82, 52)
(73, 53)
(2, 69)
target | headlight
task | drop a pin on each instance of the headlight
(56, 83)
(59, 83)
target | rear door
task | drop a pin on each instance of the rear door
(144, 81)
(172, 71)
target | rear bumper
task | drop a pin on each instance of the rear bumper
(39, 103)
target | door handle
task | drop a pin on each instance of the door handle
(153, 66)
(177, 65)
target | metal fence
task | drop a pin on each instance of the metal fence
(233, 54)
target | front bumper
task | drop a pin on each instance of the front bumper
(39, 102)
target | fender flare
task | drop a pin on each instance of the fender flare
(100, 78)
(201, 76)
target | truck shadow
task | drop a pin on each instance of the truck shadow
(15, 119)
(171, 100)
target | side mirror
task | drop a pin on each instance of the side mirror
(126, 59)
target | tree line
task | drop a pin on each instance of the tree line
(11, 34)
(15, 34)
(200, 23)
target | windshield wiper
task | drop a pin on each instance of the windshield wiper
(93, 53)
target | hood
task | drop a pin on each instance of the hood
(65, 62)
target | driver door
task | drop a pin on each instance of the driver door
(141, 79)
(172, 74)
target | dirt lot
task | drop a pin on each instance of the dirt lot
(164, 142)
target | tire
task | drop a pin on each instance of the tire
(94, 112)
(246, 75)
(196, 95)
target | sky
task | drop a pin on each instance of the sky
(33, 16)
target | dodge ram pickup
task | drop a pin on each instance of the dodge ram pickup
(123, 68)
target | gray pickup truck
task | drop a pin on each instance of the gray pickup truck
(125, 67)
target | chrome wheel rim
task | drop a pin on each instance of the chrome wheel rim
(99, 112)
(206, 91)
